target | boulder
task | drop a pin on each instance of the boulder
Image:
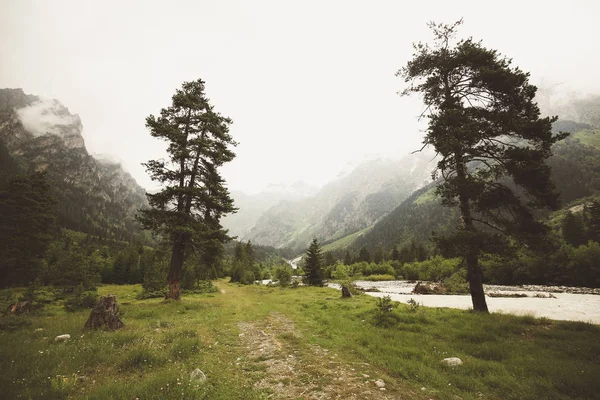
(197, 375)
(452, 361)
(62, 338)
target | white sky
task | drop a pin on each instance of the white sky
(310, 85)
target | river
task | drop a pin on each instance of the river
(571, 304)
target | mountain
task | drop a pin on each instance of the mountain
(251, 207)
(344, 206)
(96, 197)
(575, 171)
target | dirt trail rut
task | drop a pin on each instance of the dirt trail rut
(286, 368)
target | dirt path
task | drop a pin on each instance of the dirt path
(286, 368)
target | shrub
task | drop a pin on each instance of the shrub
(201, 287)
(377, 278)
(81, 299)
(284, 275)
(384, 312)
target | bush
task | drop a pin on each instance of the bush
(457, 283)
(81, 299)
(384, 313)
(377, 278)
(284, 275)
(201, 287)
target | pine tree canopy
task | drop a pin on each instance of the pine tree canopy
(314, 264)
(491, 143)
(188, 208)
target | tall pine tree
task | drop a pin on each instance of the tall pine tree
(313, 267)
(188, 209)
(487, 131)
(27, 226)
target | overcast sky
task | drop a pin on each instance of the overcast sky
(309, 85)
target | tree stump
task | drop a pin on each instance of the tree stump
(105, 314)
(346, 291)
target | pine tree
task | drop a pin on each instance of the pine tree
(187, 211)
(347, 258)
(313, 267)
(364, 255)
(27, 224)
(593, 212)
(573, 229)
(487, 131)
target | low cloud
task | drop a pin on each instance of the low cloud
(48, 116)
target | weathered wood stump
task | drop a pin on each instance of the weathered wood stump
(346, 291)
(21, 307)
(105, 314)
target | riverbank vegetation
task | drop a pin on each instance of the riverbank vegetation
(504, 356)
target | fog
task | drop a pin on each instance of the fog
(310, 85)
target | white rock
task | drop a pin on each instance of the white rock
(62, 338)
(198, 375)
(452, 361)
(382, 389)
(379, 383)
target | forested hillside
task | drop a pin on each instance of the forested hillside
(345, 205)
(92, 196)
(575, 170)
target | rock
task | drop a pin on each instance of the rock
(382, 389)
(105, 314)
(198, 375)
(379, 383)
(62, 338)
(39, 330)
(452, 361)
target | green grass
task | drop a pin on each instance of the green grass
(589, 137)
(505, 357)
(427, 197)
(345, 241)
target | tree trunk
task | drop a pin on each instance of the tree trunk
(177, 257)
(474, 273)
(105, 314)
(475, 278)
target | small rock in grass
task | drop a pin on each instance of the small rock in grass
(382, 389)
(423, 389)
(379, 383)
(38, 330)
(62, 338)
(452, 361)
(198, 375)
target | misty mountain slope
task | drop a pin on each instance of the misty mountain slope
(93, 196)
(575, 167)
(344, 206)
(251, 207)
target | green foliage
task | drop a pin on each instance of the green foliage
(81, 299)
(489, 136)
(283, 274)
(155, 277)
(384, 311)
(573, 229)
(27, 223)
(188, 209)
(314, 264)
